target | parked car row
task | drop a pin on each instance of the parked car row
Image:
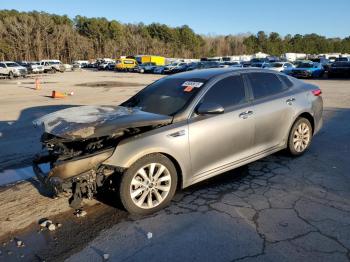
(314, 68)
(299, 69)
(13, 69)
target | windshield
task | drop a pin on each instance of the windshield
(316, 60)
(12, 64)
(149, 64)
(305, 65)
(276, 65)
(341, 64)
(166, 96)
(341, 59)
(257, 60)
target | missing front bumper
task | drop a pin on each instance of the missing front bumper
(63, 175)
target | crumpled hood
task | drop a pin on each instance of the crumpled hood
(96, 121)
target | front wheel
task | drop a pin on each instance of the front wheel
(148, 185)
(11, 75)
(300, 136)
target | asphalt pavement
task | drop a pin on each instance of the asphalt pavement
(277, 209)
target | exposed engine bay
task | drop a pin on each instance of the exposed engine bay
(76, 142)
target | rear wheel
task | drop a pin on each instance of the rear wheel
(148, 185)
(11, 75)
(300, 136)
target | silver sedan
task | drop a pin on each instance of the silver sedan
(178, 131)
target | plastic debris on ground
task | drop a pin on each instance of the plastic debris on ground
(46, 223)
(80, 213)
(19, 243)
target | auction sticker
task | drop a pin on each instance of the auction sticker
(192, 84)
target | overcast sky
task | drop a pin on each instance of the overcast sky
(326, 17)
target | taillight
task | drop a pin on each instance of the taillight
(317, 92)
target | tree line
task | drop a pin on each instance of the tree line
(39, 35)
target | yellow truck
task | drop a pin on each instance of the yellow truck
(158, 60)
(125, 64)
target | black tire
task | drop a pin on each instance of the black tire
(11, 75)
(292, 148)
(125, 184)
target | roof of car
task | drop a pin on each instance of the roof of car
(214, 72)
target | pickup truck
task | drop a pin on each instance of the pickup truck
(52, 66)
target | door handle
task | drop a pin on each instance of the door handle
(177, 134)
(290, 101)
(245, 114)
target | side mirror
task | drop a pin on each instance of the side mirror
(209, 109)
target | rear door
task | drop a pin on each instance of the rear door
(273, 110)
(219, 140)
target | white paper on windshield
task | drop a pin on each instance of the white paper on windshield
(192, 84)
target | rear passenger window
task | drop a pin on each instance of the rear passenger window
(286, 80)
(265, 84)
(227, 92)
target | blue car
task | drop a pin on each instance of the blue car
(307, 69)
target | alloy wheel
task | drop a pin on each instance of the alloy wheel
(301, 137)
(150, 185)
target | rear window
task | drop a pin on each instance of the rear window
(286, 80)
(265, 84)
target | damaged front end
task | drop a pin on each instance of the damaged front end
(75, 166)
(76, 156)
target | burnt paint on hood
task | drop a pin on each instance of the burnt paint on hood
(96, 121)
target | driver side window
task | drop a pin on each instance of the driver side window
(226, 92)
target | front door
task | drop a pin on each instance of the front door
(219, 140)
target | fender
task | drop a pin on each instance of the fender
(171, 140)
